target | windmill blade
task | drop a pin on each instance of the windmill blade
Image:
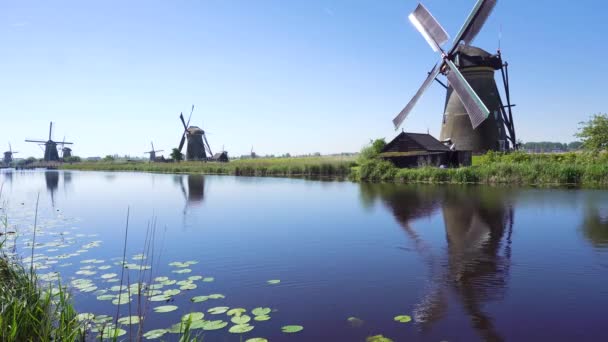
(474, 23)
(429, 79)
(207, 143)
(50, 130)
(159, 151)
(475, 107)
(35, 141)
(429, 27)
(10, 148)
(181, 143)
(190, 117)
(151, 143)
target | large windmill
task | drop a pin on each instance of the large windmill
(475, 117)
(152, 152)
(198, 147)
(50, 147)
(8, 155)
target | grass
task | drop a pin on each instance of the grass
(282, 167)
(584, 169)
(29, 312)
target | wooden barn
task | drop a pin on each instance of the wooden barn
(221, 157)
(419, 149)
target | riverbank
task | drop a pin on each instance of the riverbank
(278, 167)
(580, 169)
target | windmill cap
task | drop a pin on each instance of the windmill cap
(195, 130)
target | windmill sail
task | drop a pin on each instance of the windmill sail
(408, 108)
(474, 23)
(475, 107)
(429, 27)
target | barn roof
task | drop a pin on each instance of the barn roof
(412, 144)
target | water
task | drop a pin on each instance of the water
(467, 263)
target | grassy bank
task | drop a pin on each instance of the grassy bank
(282, 167)
(586, 169)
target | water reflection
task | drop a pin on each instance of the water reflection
(595, 225)
(475, 266)
(52, 183)
(195, 192)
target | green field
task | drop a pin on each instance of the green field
(280, 167)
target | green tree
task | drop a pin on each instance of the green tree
(108, 158)
(594, 133)
(372, 150)
(177, 155)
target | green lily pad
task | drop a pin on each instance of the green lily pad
(151, 293)
(108, 275)
(289, 329)
(156, 286)
(261, 318)
(261, 311)
(218, 310)
(240, 319)
(129, 320)
(199, 299)
(256, 339)
(168, 282)
(214, 325)
(184, 282)
(165, 308)
(187, 287)
(193, 316)
(161, 279)
(183, 270)
(403, 318)
(111, 332)
(171, 292)
(208, 279)
(84, 317)
(193, 278)
(154, 334)
(216, 296)
(236, 312)
(378, 338)
(200, 324)
(160, 298)
(273, 281)
(118, 288)
(106, 297)
(240, 328)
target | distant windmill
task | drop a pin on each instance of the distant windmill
(253, 155)
(50, 147)
(66, 152)
(8, 155)
(198, 147)
(153, 152)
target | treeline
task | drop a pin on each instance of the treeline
(548, 146)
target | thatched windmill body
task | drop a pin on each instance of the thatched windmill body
(152, 152)
(198, 147)
(8, 155)
(50, 146)
(475, 117)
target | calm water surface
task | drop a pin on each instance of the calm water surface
(467, 263)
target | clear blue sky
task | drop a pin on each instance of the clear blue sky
(283, 76)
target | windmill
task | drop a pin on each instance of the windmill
(152, 152)
(474, 116)
(66, 152)
(8, 155)
(252, 154)
(198, 146)
(50, 147)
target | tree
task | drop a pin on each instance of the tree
(373, 150)
(594, 133)
(108, 158)
(177, 155)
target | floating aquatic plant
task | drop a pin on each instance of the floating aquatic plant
(403, 318)
(165, 308)
(290, 329)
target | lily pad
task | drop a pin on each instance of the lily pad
(154, 334)
(187, 287)
(236, 312)
(108, 275)
(171, 292)
(261, 311)
(378, 338)
(256, 339)
(165, 308)
(240, 328)
(160, 298)
(199, 299)
(261, 318)
(193, 316)
(161, 279)
(354, 321)
(129, 320)
(111, 332)
(273, 281)
(240, 319)
(214, 325)
(84, 317)
(403, 318)
(193, 278)
(218, 310)
(183, 270)
(289, 329)
(208, 279)
(216, 296)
